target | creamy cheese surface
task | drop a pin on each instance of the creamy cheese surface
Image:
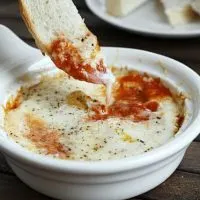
(55, 117)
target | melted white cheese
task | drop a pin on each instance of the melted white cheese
(113, 138)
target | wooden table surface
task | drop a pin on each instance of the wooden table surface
(184, 184)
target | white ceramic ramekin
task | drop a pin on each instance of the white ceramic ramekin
(103, 180)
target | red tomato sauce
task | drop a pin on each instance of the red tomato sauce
(135, 97)
(66, 57)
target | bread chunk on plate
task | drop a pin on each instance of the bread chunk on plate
(122, 8)
(178, 11)
(60, 32)
(196, 6)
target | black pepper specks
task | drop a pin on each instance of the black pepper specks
(149, 149)
(77, 134)
(141, 141)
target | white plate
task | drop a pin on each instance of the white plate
(147, 19)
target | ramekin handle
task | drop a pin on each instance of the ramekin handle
(15, 52)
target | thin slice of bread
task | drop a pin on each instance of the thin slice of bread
(178, 11)
(60, 32)
(120, 8)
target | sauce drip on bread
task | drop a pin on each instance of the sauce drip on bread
(67, 58)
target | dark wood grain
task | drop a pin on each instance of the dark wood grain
(180, 186)
(4, 168)
(191, 162)
(184, 184)
(9, 9)
(11, 188)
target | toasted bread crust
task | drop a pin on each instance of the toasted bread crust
(73, 61)
(46, 48)
(30, 26)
